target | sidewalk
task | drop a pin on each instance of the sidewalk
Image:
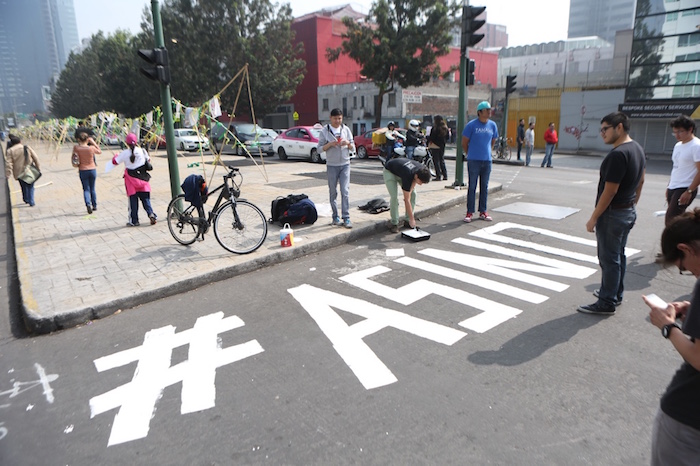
(74, 267)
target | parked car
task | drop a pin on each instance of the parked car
(271, 132)
(255, 138)
(363, 144)
(110, 139)
(299, 141)
(187, 139)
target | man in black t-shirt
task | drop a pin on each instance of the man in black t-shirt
(407, 173)
(619, 189)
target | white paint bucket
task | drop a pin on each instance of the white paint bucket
(286, 236)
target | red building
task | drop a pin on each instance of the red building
(323, 29)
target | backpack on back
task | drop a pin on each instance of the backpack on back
(300, 213)
(281, 204)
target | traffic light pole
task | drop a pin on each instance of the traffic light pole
(167, 106)
(461, 113)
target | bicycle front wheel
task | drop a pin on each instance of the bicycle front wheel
(431, 166)
(240, 235)
(506, 153)
(184, 220)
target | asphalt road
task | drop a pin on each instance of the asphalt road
(463, 349)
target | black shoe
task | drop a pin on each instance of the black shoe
(597, 308)
(596, 293)
(89, 209)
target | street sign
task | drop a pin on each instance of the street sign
(412, 97)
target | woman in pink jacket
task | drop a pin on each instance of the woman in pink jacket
(136, 180)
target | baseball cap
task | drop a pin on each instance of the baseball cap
(483, 106)
(132, 140)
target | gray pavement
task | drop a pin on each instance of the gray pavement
(74, 267)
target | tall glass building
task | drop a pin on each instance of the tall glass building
(664, 74)
(602, 18)
(36, 38)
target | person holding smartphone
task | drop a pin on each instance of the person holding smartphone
(337, 142)
(676, 431)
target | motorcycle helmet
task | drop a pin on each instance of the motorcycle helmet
(414, 125)
(391, 123)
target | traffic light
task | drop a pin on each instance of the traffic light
(510, 84)
(158, 61)
(470, 25)
(470, 72)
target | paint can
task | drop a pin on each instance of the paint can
(286, 236)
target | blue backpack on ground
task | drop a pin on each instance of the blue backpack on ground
(302, 212)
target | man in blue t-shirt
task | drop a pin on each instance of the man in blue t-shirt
(478, 138)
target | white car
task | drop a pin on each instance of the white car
(187, 139)
(299, 141)
(110, 139)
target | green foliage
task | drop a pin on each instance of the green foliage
(399, 43)
(208, 42)
(216, 38)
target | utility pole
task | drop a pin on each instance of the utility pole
(159, 70)
(469, 39)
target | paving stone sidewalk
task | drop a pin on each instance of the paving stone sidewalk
(74, 267)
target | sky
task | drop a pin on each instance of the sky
(525, 20)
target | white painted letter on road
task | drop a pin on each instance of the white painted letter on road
(348, 339)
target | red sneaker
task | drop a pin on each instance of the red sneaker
(468, 217)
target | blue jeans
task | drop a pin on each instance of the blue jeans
(393, 185)
(409, 152)
(27, 192)
(481, 170)
(528, 154)
(611, 232)
(88, 178)
(548, 152)
(339, 175)
(134, 206)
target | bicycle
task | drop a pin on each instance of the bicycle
(502, 149)
(239, 226)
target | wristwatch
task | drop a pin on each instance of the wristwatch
(666, 329)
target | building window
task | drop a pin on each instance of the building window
(688, 40)
(672, 16)
(354, 101)
(687, 84)
(362, 101)
(392, 100)
(325, 105)
(345, 105)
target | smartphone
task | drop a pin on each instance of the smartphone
(656, 301)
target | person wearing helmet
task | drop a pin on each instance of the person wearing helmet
(388, 148)
(136, 179)
(478, 138)
(412, 138)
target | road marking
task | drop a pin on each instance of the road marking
(137, 399)
(348, 340)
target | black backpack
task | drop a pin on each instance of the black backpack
(300, 213)
(282, 204)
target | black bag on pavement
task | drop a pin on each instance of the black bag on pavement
(281, 205)
(300, 213)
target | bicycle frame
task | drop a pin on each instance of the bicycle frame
(228, 191)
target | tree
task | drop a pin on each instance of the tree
(104, 77)
(216, 38)
(399, 43)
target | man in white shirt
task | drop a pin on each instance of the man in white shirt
(685, 175)
(529, 143)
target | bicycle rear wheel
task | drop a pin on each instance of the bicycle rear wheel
(506, 153)
(241, 237)
(184, 220)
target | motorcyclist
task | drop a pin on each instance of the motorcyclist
(413, 138)
(388, 148)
